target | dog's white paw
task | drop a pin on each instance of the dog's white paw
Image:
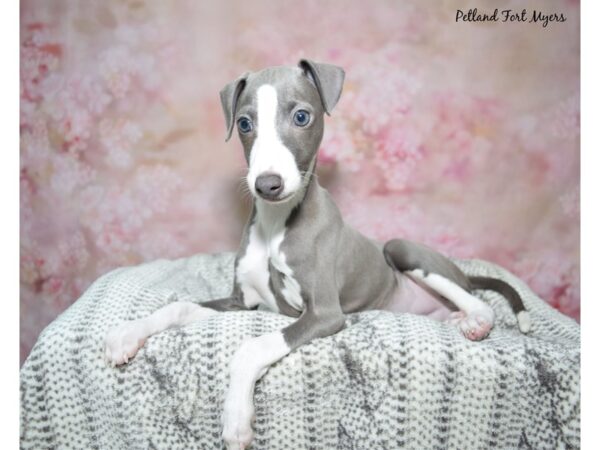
(122, 343)
(455, 317)
(237, 425)
(476, 325)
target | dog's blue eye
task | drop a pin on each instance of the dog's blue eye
(245, 125)
(301, 118)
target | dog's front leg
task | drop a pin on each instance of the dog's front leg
(252, 360)
(123, 342)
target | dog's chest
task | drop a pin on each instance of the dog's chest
(262, 273)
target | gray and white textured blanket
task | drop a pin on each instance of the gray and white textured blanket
(386, 381)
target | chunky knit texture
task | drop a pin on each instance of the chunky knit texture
(386, 381)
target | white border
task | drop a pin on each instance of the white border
(590, 225)
(9, 233)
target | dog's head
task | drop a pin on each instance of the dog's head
(278, 113)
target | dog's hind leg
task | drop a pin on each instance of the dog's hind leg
(434, 271)
(123, 342)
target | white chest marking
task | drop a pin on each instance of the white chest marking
(291, 288)
(264, 241)
(253, 272)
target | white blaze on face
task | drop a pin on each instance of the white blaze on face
(268, 154)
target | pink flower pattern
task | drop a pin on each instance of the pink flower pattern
(446, 133)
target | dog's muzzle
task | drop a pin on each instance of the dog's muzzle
(269, 186)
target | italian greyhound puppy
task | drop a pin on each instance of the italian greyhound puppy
(297, 256)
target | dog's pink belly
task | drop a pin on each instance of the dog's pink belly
(409, 297)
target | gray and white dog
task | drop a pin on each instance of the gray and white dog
(297, 256)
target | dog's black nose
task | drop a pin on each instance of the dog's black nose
(269, 186)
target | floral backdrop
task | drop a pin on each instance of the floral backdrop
(464, 136)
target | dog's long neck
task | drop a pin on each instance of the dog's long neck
(272, 217)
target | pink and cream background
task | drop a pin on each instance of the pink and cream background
(464, 136)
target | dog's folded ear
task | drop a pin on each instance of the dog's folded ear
(229, 99)
(328, 79)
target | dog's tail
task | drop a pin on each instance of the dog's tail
(508, 292)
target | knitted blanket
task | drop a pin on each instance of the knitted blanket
(386, 381)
